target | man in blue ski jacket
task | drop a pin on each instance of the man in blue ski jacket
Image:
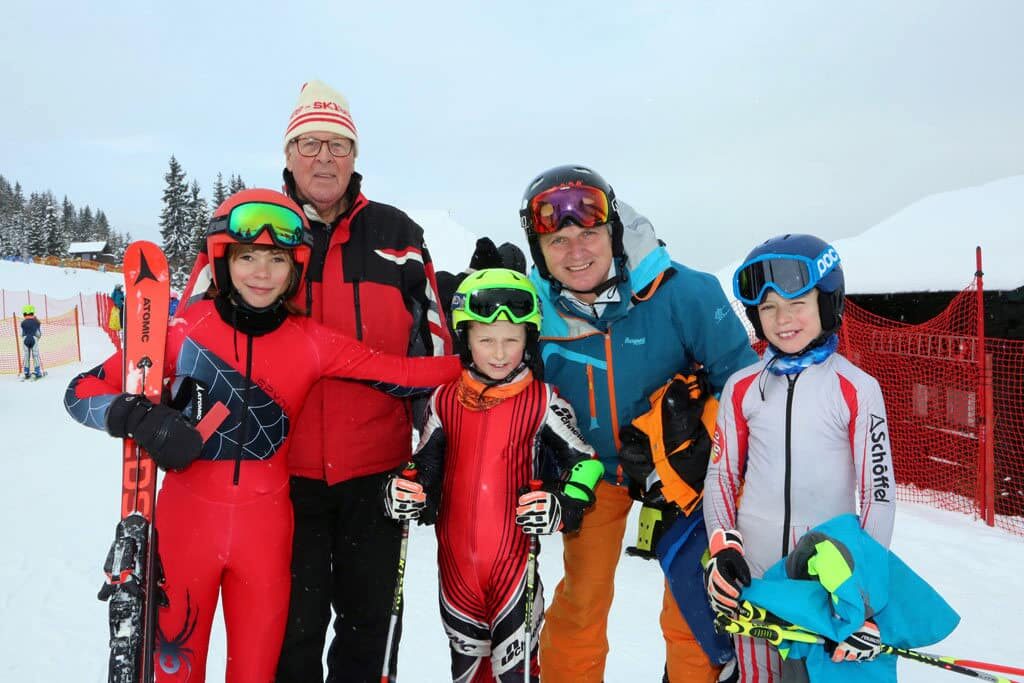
(620, 320)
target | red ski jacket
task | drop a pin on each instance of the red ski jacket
(376, 284)
(263, 380)
(371, 278)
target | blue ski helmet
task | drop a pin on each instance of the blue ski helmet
(793, 265)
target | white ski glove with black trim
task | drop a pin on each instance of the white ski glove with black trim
(862, 645)
(539, 512)
(403, 499)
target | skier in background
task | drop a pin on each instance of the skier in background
(802, 434)
(477, 457)
(31, 331)
(116, 322)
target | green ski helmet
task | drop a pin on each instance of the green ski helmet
(497, 293)
(28, 309)
(492, 293)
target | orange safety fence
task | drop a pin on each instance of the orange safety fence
(77, 263)
(59, 344)
(955, 403)
(90, 306)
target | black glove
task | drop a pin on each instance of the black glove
(485, 256)
(168, 436)
(512, 257)
(636, 459)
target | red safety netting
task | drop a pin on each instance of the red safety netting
(956, 413)
(58, 345)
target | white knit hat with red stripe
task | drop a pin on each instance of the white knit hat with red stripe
(321, 109)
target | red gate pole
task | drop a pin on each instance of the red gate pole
(990, 446)
(78, 336)
(986, 458)
(17, 345)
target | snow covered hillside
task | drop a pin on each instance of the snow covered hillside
(59, 502)
(929, 246)
(450, 244)
(54, 281)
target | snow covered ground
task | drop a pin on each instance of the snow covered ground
(59, 505)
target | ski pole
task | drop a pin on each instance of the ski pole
(952, 664)
(531, 591)
(775, 631)
(386, 675)
(974, 664)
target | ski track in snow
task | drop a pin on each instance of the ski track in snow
(60, 504)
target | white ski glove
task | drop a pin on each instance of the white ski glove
(862, 645)
(539, 512)
(403, 499)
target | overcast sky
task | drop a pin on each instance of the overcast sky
(725, 122)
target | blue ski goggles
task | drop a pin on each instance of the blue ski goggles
(790, 275)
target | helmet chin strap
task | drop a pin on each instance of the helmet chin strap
(239, 301)
(601, 288)
(490, 381)
(818, 341)
(598, 290)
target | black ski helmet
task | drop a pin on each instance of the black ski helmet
(566, 175)
(831, 286)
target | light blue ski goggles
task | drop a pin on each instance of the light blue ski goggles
(790, 275)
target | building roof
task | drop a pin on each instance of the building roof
(86, 247)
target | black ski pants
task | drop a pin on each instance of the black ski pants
(345, 556)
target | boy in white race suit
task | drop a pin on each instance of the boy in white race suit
(801, 437)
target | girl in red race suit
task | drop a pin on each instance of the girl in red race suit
(225, 519)
(476, 463)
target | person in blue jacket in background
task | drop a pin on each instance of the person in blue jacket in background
(31, 331)
(620, 319)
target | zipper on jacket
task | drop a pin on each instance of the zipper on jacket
(246, 383)
(481, 443)
(358, 309)
(613, 408)
(593, 398)
(790, 390)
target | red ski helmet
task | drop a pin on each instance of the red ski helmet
(258, 216)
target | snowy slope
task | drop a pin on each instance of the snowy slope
(929, 246)
(450, 243)
(59, 503)
(54, 281)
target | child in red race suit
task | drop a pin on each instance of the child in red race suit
(225, 519)
(476, 463)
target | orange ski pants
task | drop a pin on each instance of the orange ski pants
(574, 640)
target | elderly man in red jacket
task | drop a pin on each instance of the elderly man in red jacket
(371, 277)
